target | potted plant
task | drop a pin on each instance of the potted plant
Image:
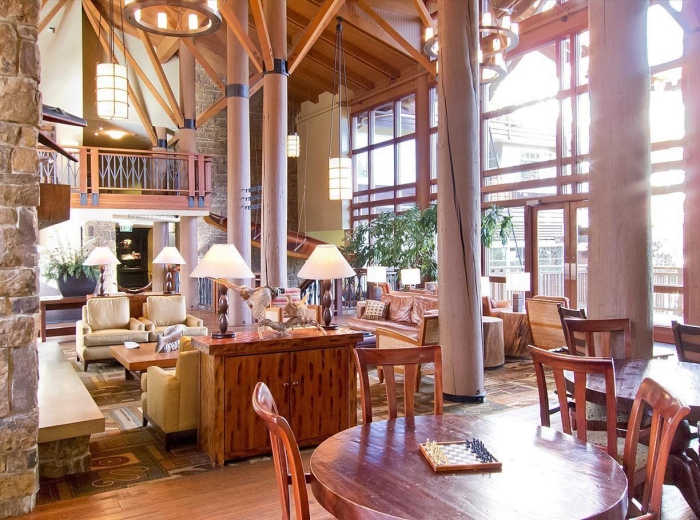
(495, 223)
(65, 265)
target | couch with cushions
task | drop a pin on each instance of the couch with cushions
(400, 312)
(162, 312)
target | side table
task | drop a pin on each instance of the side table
(494, 351)
(516, 333)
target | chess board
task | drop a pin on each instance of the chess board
(459, 458)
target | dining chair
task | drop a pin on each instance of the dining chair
(545, 324)
(579, 314)
(576, 329)
(410, 358)
(667, 413)
(687, 338)
(285, 452)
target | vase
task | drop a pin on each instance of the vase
(76, 286)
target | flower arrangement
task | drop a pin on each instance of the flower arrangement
(64, 262)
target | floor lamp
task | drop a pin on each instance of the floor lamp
(326, 263)
(170, 256)
(103, 257)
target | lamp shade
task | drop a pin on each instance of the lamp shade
(376, 274)
(485, 286)
(101, 256)
(326, 262)
(293, 145)
(112, 93)
(340, 178)
(518, 282)
(410, 276)
(222, 261)
(169, 255)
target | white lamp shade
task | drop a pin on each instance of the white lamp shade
(518, 282)
(293, 145)
(222, 261)
(111, 91)
(101, 256)
(485, 286)
(326, 262)
(340, 178)
(376, 274)
(169, 255)
(410, 276)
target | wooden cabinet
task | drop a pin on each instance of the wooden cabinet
(311, 376)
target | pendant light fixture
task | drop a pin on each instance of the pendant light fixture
(340, 166)
(111, 79)
(293, 144)
(178, 18)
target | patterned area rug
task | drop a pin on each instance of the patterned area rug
(128, 454)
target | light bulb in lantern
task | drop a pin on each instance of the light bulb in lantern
(486, 19)
(193, 22)
(429, 33)
(213, 5)
(505, 22)
(515, 27)
(481, 56)
(137, 15)
(162, 21)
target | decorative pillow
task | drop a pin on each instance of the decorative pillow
(421, 305)
(399, 307)
(375, 310)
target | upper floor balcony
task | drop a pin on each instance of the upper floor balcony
(108, 178)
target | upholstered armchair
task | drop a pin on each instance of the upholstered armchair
(275, 311)
(161, 312)
(106, 321)
(493, 307)
(170, 399)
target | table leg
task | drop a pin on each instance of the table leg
(128, 374)
(43, 324)
(683, 471)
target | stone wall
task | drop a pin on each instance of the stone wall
(20, 106)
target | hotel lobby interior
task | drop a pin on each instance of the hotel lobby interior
(349, 259)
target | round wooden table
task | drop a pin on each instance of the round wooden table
(377, 471)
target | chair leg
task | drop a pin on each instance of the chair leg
(418, 379)
(380, 374)
(144, 421)
(85, 365)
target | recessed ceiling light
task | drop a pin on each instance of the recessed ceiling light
(115, 134)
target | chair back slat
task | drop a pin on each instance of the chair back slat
(667, 413)
(575, 329)
(410, 358)
(285, 453)
(545, 325)
(687, 338)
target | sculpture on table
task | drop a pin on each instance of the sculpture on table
(170, 339)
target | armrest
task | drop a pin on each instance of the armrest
(192, 321)
(392, 339)
(135, 324)
(82, 328)
(148, 324)
(503, 304)
(163, 398)
(274, 313)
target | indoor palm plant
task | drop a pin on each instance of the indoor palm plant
(65, 265)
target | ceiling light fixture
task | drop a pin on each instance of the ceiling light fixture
(179, 18)
(111, 80)
(115, 134)
(339, 167)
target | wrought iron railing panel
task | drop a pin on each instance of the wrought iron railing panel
(54, 168)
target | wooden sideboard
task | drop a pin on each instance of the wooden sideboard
(311, 376)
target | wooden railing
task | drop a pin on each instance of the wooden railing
(112, 178)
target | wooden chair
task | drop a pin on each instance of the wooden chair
(687, 339)
(428, 334)
(410, 358)
(285, 452)
(667, 413)
(578, 314)
(545, 324)
(575, 329)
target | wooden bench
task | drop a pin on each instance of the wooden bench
(67, 415)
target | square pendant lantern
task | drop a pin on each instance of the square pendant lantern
(293, 145)
(340, 178)
(111, 91)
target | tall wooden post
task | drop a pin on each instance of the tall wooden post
(188, 144)
(273, 254)
(459, 249)
(159, 235)
(691, 99)
(423, 141)
(620, 194)
(238, 157)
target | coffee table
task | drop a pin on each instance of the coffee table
(139, 359)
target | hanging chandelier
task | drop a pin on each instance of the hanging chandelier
(111, 81)
(340, 166)
(293, 144)
(179, 18)
(497, 37)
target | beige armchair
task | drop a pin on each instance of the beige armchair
(106, 321)
(161, 312)
(170, 399)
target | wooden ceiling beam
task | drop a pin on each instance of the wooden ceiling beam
(424, 14)
(386, 27)
(143, 116)
(150, 50)
(370, 29)
(167, 48)
(263, 34)
(210, 112)
(47, 19)
(211, 72)
(242, 35)
(312, 32)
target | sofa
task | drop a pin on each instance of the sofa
(404, 313)
(161, 312)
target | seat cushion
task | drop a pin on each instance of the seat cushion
(114, 337)
(166, 310)
(108, 313)
(421, 305)
(600, 438)
(399, 307)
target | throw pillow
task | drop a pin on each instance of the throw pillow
(422, 305)
(400, 307)
(375, 310)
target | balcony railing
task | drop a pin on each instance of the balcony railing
(108, 177)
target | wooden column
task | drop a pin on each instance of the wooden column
(459, 248)
(691, 99)
(238, 156)
(423, 141)
(620, 195)
(273, 253)
(188, 143)
(159, 235)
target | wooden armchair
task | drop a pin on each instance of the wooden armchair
(545, 324)
(428, 334)
(578, 314)
(575, 329)
(410, 358)
(687, 338)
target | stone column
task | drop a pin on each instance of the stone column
(459, 248)
(188, 144)
(238, 157)
(159, 235)
(273, 253)
(20, 109)
(620, 194)
(691, 99)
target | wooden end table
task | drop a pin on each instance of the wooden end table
(139, 359)
(516, 332)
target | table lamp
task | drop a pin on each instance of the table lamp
(485, 286)
(518, 283)
(410, 278)
(326, 263)
(171, 256)
(222, 261)
(103, 257)
(376, 274)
